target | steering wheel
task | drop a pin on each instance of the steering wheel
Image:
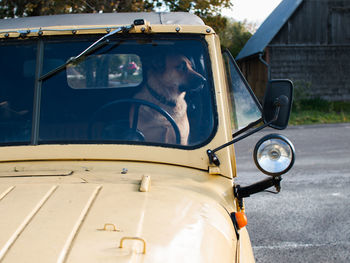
(133, 133)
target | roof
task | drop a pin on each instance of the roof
(180, 18)
(269, 28)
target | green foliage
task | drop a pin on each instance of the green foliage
(322, 105)
(318, 117)
(314, 110)
(19, 8)
(234, 36)
(218, 23)
(208, 10)
(301, 94)
(202, 8)
(319, 111)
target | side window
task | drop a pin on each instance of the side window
(244, 106)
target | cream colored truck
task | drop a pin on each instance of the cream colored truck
(109, 154)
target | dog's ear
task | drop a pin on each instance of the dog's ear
(158, 63)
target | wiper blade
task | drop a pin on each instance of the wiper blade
(96, 45)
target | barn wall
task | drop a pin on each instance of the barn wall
(323, 70)
(313, 48)
(317, 22)
(256, 74)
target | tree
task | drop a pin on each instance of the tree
(19, 8)
(208, 10)
(235, 35)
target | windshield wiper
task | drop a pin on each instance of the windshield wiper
(94, 46)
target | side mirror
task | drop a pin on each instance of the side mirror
(278, 97)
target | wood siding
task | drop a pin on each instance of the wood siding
(256, 74)
(312, 47)
(323, 70)
(317, 22)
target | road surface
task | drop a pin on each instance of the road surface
(309, 221)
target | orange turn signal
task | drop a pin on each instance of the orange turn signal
(241, 220)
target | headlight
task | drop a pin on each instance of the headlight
(274, 154)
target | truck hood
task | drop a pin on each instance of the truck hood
(75, 221)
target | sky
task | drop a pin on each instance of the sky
(254, 11)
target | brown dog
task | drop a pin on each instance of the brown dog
(168, 79)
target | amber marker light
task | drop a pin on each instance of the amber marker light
(241, 219)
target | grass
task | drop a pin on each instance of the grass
(318, 111)
(318, 117)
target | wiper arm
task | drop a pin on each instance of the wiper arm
(96, 45)
(87, 51)
(101, 41)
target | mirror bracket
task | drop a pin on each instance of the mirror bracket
(213, 159)
(276, 112)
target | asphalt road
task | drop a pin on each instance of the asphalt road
(309, 220)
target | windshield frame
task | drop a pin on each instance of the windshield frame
(89, 39)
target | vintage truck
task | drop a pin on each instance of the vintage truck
(117, 133)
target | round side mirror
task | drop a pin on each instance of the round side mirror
(274, 154)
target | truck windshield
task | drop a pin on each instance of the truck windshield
(141, 90)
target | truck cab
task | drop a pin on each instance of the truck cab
(116, 140)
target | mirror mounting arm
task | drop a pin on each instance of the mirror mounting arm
(213, 159)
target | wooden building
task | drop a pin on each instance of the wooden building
(307, 41)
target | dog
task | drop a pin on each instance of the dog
(168, 78)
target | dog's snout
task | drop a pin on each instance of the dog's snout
(198, 80)
(195, 82)
(202, 79)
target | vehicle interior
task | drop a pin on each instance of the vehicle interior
(73, 101)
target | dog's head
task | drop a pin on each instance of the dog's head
(176, 71)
